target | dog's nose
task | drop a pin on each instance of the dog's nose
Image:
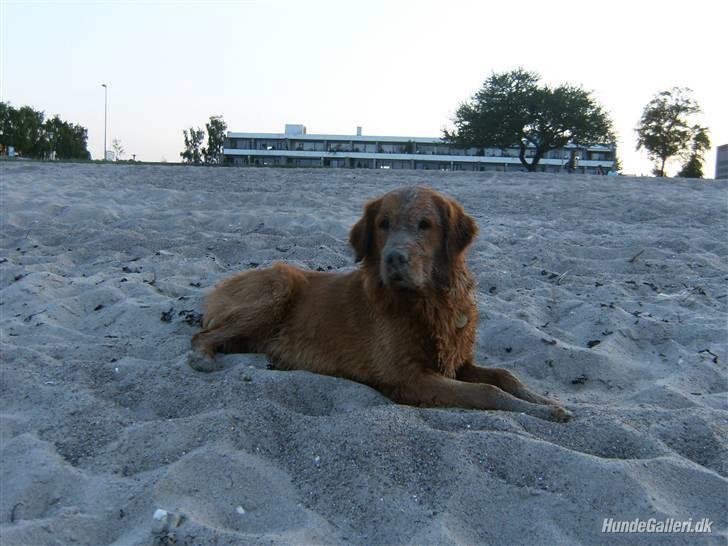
(397, 258)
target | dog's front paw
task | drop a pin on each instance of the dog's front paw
(202, 363)
(560, 414)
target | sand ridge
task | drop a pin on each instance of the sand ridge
(609, 293)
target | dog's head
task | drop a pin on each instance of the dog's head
(413, 238)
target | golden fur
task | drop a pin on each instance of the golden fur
(404, 323)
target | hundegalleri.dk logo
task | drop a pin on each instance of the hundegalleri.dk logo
(654, 525)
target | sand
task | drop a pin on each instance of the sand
(609, 293)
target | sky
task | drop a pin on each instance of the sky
(394, 67)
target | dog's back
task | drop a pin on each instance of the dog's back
(304, 320)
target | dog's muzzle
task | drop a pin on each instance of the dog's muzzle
(396, 268)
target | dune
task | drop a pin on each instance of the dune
(609, 293)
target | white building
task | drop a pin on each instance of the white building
(721, 162)
(296, 148)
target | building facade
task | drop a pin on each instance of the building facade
(296, 148)
(721, 162)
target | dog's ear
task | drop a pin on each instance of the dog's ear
(459, 228)
(362, 234)
(464, 228)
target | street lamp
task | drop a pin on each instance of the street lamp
(106, 89)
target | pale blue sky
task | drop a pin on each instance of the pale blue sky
(394, 67)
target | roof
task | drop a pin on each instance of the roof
(347, 138)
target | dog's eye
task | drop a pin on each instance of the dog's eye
(384, 223)
(424, 224)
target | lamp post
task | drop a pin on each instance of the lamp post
(106, 89)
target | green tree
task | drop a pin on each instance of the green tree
(193, 141)
(665, 129)
(617, 167)
(59, 136)
(513, 109)
(29, 136)
(693, 167)
(78, 142)
(216, 128)
(56, 131)
(7, 130)
(69, 141)
(34, 136)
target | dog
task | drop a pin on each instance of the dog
(403, 323)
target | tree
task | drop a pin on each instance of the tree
(665, 129)
(78, 142)
(68, 141)
(693, 167)
(617, 162)
(29, 136)
(191, 154)
(118, 148)
(34, 136)
(513, 109)
(216, 128)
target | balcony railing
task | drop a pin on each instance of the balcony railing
(412, 149)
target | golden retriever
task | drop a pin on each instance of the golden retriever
(404, 323)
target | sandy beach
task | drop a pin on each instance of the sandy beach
(609, 293)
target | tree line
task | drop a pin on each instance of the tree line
(514, 109)
(27, 130)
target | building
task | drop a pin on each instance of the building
(721, 162)
(296, 148)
